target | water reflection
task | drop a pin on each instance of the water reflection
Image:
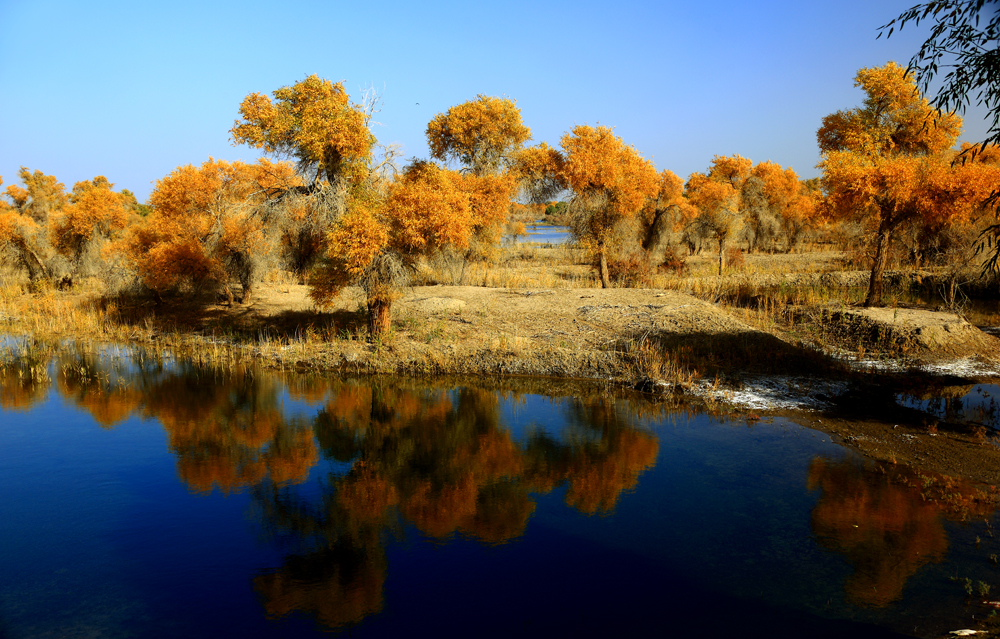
(230, 433)
(338, 473)
(972, 405)
(24, 379)
(887, 520)
(226, 429)
(441, 462)
(406, 456)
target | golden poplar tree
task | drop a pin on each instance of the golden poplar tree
(611, 182)
(889, 162)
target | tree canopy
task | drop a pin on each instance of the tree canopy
(885, 164)
(610, 182)
(210, 224)
(482, 134)
(964, 39)
(311, 121)
(425, 210)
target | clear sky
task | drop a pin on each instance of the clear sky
(130, 90)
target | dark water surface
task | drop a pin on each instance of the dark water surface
(165, 500)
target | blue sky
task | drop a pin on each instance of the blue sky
(131, 90)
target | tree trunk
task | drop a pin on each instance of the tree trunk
(36, 267)
(605, 281)
(379, 317)
(874, 297)
(657, 233)
(230, 298)
(722, 245)
(247, 294)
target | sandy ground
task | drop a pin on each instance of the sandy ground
(462, 319)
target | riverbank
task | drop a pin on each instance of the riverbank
(654, 340)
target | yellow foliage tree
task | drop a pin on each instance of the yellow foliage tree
(610, 182)
(718, 202)
(889, 162)
(374, 245)
(314, 122)
(41, 195)
(24, 242)
(95, 213)
(670, 211)
(484, 134)
(213, 223)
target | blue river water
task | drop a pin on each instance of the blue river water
(158, 499)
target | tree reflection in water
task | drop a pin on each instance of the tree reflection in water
(230, 432)
(441, 462)
(888, 521)
(438, 460)
(24, 377)
(227, 429)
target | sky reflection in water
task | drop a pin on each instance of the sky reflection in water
(168, 500)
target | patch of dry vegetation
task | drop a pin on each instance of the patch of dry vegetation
(535, 310)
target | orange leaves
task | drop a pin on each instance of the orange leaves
(20, 234)
(539, 162)
(482, 134)
(311, 120)
(42, 194)
(904, 187)
(887, 162)
(489, 202)
(731, 169)
(95, 211)
(4, 206)
(611, 183)
(355, 242)
(207, 224)
(424, 210)
(427, 209)
(780, 185)
(894, 120)
(598, 163)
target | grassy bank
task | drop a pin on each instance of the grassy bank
(535, 311)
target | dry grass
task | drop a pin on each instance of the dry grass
(183, 326)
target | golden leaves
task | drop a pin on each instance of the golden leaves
(427, 209)
(42, 194)
(311, 120)
(482, 134)
(905, 187)
(95, 211)
(204, 219)
(895, 119)
(599, 164)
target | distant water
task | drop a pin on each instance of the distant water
(546, 234)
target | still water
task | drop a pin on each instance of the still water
(545, 234)
(160, 499)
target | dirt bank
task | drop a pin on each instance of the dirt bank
(654, 340)
(601, 333)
